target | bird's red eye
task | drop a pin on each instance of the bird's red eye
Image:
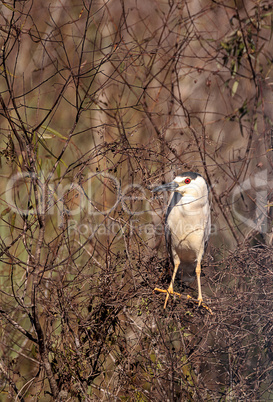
(187, 180)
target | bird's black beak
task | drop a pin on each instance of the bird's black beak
(166, 187)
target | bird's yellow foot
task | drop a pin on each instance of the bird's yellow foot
(169, 292)
(200, 303)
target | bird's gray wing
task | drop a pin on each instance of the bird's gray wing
(207, 232)
(168, 239)
(168, 236)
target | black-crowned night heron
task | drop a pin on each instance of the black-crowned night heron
(187, 227)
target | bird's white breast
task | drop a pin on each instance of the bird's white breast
(188, 220)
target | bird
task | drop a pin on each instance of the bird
(187, 228)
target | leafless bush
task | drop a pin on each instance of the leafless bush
(99, 102)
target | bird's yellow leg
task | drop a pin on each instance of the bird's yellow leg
(198, 274)
(200, 298)
(170, 288)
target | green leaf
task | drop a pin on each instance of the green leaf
(5, 211)
(12, 222)
(234, 88)
(53, 134)
(58, 170)
(122, 67)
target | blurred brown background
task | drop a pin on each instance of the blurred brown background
(100, 101)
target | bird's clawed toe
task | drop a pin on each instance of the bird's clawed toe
(200, 303)
(169, 292)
